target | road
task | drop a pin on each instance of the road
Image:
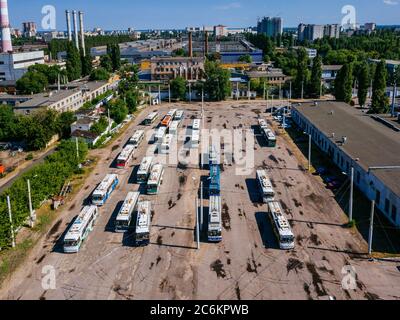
(10, 181)
(246, 265)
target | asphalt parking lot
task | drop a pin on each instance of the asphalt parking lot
(247, 264)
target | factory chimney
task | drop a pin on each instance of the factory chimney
(82, 33)
(74, 18)
(190, 44)
(6, 44)
(68, 16)
(205, 43)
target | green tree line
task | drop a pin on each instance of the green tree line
(47, 180)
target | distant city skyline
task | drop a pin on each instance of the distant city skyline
(178, 14)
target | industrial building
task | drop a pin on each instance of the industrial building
(29, 29)
(230, 51)
(70, 99)
(168, 68)
(271, 27)
(13, 65)
(369, 144)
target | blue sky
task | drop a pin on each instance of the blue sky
(163, 14)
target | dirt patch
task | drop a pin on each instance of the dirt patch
(294, 264)
(272, 158)
(218, 268)
(315, 239)
(297, 203)
(226, 218)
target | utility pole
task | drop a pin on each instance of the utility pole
(371, 228)
(32, 216)
(201, 206)
(149, 95)
(394, 91)
(159, 93)
(197, 224)
(11, 222)
(249, 91)
(320, 91)
(190, 92)
(302, 90)
(77, 145)
(264, 90)
(351, 195)
(203, 127)
(309, 151)
(290, 91)
(237, 91)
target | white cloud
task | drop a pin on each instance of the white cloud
(391, 2)
(234, 5)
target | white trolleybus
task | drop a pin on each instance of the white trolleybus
(173, 128)
(155, 179)
(104, 190)
(166, 144)
(262, 123)
(215, 220)
(266, 188)
(270, 137)
(80, 229)
(196, 124)
(125, 156)
(124, 217)
(179, 115)
(160, 134)
(151, 118)
(195, 139)
(143, 224)
(172, 113)
(144, 170)
(137, 138)
(281, 226)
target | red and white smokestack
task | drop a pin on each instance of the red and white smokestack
(6, 44)
(75, 21)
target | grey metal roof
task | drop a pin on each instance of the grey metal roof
(373, 143)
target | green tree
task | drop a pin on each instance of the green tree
(100, 126)
(316, 78)
(99, 74)
(106, 63)
(115, 56)
(180, 52)
(303, 74)
(217, 85)
(8, 125)
(132, 99)
(344, 83)
(32, 82)
(246, 58)
(87, 65)
(178, 88)
(363, 79)
(65, 120)
(118, 110)
(380, 101)
(74, 65)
